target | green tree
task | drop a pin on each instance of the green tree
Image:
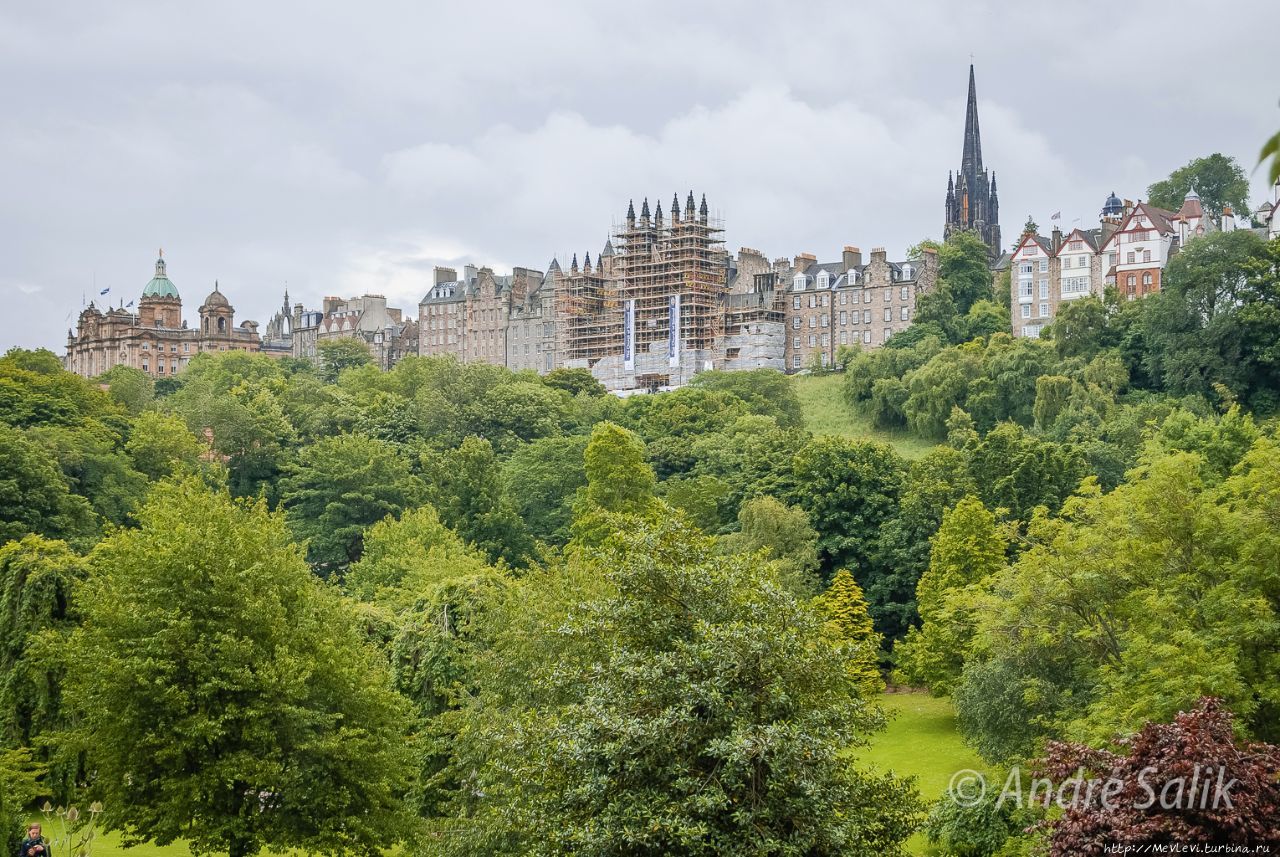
(766, 392)
(844, 607)
(338, 355)
(217, 684)
(542, 478)
(160, 446)
(132, 388)
(757, 710)
(783, 534)
(34, 496)
(964, 271)
(1018, 471)
(967, 552)
(1080, 329)
(849, 489)
(1217, 178)
(466, 487)
(619, 482)
(339, 487)
(574, 381)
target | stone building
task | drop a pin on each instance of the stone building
(482, 317)
(385, 330)
(155, 338)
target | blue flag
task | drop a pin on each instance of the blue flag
(104, 291)
(129, 304)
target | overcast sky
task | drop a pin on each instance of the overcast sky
(348, 148)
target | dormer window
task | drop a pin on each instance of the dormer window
(798, 282)
(908, 272)
(855, 276)
(824, 280)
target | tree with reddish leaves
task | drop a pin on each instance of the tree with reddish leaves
(1174, 785)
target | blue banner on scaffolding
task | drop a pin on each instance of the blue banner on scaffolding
(673, 331)
(629, 335)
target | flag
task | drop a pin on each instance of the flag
(129, 304)
(1057, 215)
(104, 291)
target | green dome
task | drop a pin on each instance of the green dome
(160, 286)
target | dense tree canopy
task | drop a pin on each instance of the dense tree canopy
(1218, 180)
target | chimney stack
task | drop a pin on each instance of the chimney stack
(852, 257)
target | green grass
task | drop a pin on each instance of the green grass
(921, 741)
(826, 412)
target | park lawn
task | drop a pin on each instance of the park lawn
(826, 412)
(921, 741)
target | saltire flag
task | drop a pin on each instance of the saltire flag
(104, 291)
(1057, 215)
(129, 304)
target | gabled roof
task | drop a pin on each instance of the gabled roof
(1090, 237)
(1158, 216)
(1039, 240)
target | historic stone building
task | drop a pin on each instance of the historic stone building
(972, 202)
(389, 335)
(155, 338)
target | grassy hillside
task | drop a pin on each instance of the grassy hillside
(825, 412)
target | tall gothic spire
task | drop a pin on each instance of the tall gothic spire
(971, 159)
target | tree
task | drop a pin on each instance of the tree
(339, 487)
(1218, 180)
(34, 497)
(619, 482)
(1161, 774)
(466, 487)
(714, 717)
(338, 355)
(542, 478)
(1019, 471)
(784, 536)
(132, 388)
(967, 552)
(574, 381)
(161, 446)
(225, 694)
(1080, 328)
(963, 270)
(766, 392)
(849, 489)
(845, 608)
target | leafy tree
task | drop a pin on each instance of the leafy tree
(96, 469)
(1155, 804)
(845, 608)
(938, 386)
(967, 551)
(757, 710)
(34, 496)
(702, 499)
(1218, 180)
(509, 413)
(467, 489)
(1080, 329)
(225, 694)
(542, 479)
(19, 787)
(984, 318)
(766, 392)
(619, 483)
(132, 388)
(784, 536)
(338, 355)
(339, 487)
(1053, 394)
(934, 483)
(963, 270)
(1017, 471)
(983, 829)
(849, 489)
(574, 381)
(1217, 319)
(160, 446)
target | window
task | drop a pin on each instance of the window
(905, 314)
(826, 340)
(1132, 280)
(795, 343)
(866, 316)
(1044, 310)
(1074, 286)
(902, 293)
(823, 280)
(813, 340)
(146, 367)
(866, 296)
(813, 301)
(1044, 265)
(1146, 279)
(866, 337)
(798, 282)
(888, 313)
(813, 321)
(146, 346)
(826, 321)
(844, 337)
(826, 300)
(1026, 268)
(844, 298)
(1146, 255)
(795, 302)
(795, 322)
(1044, 289)
(844, 317)
(1026, 310)
(1024, 289)
(888, 331)
(1129, 258)
(888, 295)
(184, 348)
(795, 361)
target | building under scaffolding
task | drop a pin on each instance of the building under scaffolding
(650, 314)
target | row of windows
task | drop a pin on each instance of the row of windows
(904, 314)
(816, 300)
(1044, 310)
(845, 339)
(1029, 267)
(1130, 257)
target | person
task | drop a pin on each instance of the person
(34, 845)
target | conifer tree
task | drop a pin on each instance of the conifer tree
(845, 609)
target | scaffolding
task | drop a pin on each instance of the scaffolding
(676, 267)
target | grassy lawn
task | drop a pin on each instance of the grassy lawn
(825, 412)
(921, 741)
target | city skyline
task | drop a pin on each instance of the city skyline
(322, 160)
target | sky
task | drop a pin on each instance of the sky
(342, 148)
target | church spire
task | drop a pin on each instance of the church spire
(971, 159)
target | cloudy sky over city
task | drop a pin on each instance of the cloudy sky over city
(348, 148)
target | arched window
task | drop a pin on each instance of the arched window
(206, 325)
(222, 325)
(1146, 279)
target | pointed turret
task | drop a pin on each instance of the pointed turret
(702, 209)
(586, 263)
(675, 208)
(644, 211)
(631, 212)
(573, 266)
(688, 207)
(608, 248)
(657, 214)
